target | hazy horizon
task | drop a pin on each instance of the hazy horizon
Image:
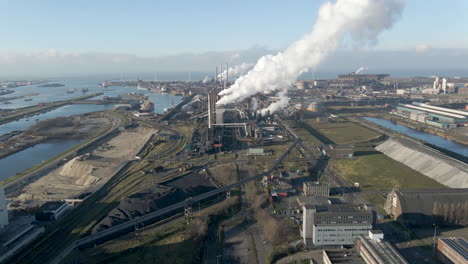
(89, 38)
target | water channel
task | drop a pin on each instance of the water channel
(429, 138)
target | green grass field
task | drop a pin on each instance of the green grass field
(343, 132)
(375, 171)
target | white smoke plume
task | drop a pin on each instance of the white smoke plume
(281, 103)
(362, 19)
(254, 103)
(358, 71)
(207, 79)
(236, 71)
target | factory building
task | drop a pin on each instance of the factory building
(432, 115)
(51, 211)
(309, 84)
(423, 208)
(3, 209)
(353, 80)
(314, 107)
(338, 152)
(315, 188)
(339, 256)
(334, 224)
(374, 250)
(453, 250)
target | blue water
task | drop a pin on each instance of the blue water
(67, 110)
(429, 138)
(50, 94)
(29, 157)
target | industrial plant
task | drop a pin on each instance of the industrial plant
(242, 156)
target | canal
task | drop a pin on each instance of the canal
(429, 138)
(29, 157)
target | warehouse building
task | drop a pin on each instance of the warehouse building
(51, 211)
(374, 250)
(316, 188)
(423, 208)
(338, 151)
(337, 256)
(334, 224)
(453, 250)
(354, 80)
(432, 115)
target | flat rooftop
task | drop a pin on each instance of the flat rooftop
(344, 256)
(382, 250)
(457, 244)
(337, 208)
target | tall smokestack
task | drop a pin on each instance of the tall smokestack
(209, 109)
(227, 75)
(364, 20)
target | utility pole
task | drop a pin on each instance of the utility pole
(434, 240)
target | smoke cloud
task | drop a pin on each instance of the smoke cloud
(281, 103)
(254, 104)
(363, 20)
(207, 79)
(358, 71)
(236, 71)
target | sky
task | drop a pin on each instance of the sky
(56, 37)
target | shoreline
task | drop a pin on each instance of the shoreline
(11, 184)
(30, 111)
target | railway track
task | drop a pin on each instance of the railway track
(61, 235)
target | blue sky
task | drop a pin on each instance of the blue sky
(163, 28)
(169, 27)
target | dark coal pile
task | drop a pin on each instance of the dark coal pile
(192, 184)
(154, 198)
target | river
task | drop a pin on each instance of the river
(429, 138)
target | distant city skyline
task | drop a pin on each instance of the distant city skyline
(55, 38)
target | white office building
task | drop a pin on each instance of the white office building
(334, 224)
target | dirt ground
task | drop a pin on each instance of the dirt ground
(237, 245)
(86, 173)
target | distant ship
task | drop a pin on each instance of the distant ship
(169, 108)
(141, 88)
(147, 106)
(84, 90)
(104, 84)
(72, 90)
